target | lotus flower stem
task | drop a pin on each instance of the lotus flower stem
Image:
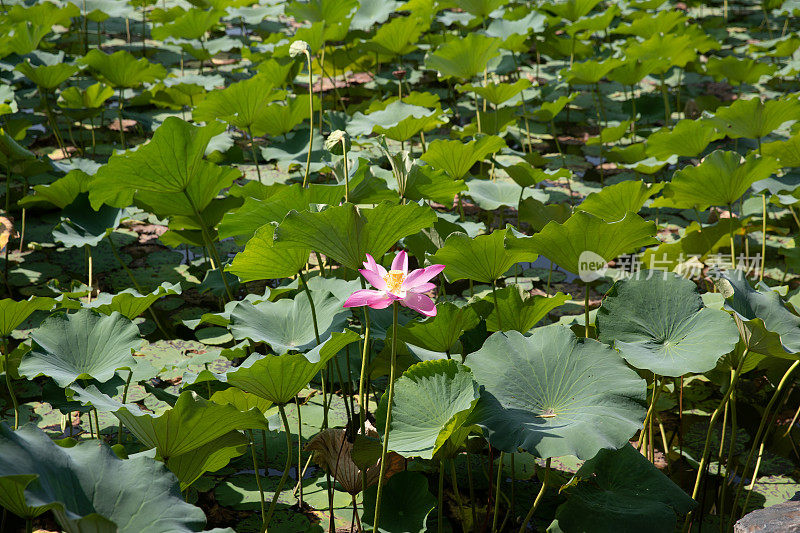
(471, 490)
(497, 306)
(454, 482)
(258, 478)
(362, 395)
(253, 151)
(209, 244)
(538, 499)
(310, 116)
(390, 399)
(440, 499)
(586, 310)
(759, 440)
(763, 235)
(282, 482)
(496, 512)
(706, 447)
(299, 451)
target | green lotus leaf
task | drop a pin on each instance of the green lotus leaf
(658, 322)
(571, 10)
(243, 401)
(285, 324)
(440, 333)
(389, 119)
(432, 400)
(753, 118)
(130, 303)
(611, 134)
(526, 175)
(590, 71)
(620, 490)
(496, 93)
(503, 28)
(371, 12)
(193, 24)
(47, 77)
(241, 104)
(463, 58)
(122, 70)
(83, 226)
(263, 258)
(327, 11)
(61, 192)
(650, 24)
(738, 70)
(786, 152)
(456, 157)
(539, 214)
(549, 110)
(518, 313)
(209, 457)
(688, 138)
(423, 182)
(721, 179)
(397, 37)
(697, 241)
(614, 201)
(552, 394)
(406, 503)
(81, 345)
(485, 258)
(88, 488)
(278, 378)
(280, 118)
(243, 223)
(493, 194)
(761, 307)
(168, 174)
(347, 234)
(583, 232)
(13, 313)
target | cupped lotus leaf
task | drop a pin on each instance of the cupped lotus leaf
(526, 175)
(263, 258)
(432, 400)
(590, 71)
(209, 457)
(485, 258)
(281, 118)
(83, 226)
(464, 58)
(406, 503)
(122, 70)
(255, 212)
(650, 24)
(662, 51)
(285, 324)
(503, 28)
(388, 119)
(493, 194)
(688, 138)
(193, 24)
(539, 214)
(496, 93)
(13, 313)
(549, 110)
(88, 488)
(571, 10)
(440, 333)
(243, 401)
(518, 313)
(658, 322)
(423, 182)
(786, 152)
(327, 11)
(611, 134)
(47, 77)
(738, 70)
(456, 157)
(371, 12)
(721, 179)
(761, 307)
(620, 490)
(278, 378)
(553, 394)
(81, 345)
(613, 202)
(399, 36)
(346, 233)
(168, 173)
(130, 303)
(61, 192)
(240, 104)
(565, 243)
(755, 119)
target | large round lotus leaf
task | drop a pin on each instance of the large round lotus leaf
(552, 394)
(432, 399)
(286, 324)
(658, 322)
(406, 503)
(620, 491)
(81, 345)
(88, 488)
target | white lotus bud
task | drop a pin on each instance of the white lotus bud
(298, 47)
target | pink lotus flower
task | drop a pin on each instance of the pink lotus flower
(396, 285)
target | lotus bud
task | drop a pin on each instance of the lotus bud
(333, 143)
(298, 47)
